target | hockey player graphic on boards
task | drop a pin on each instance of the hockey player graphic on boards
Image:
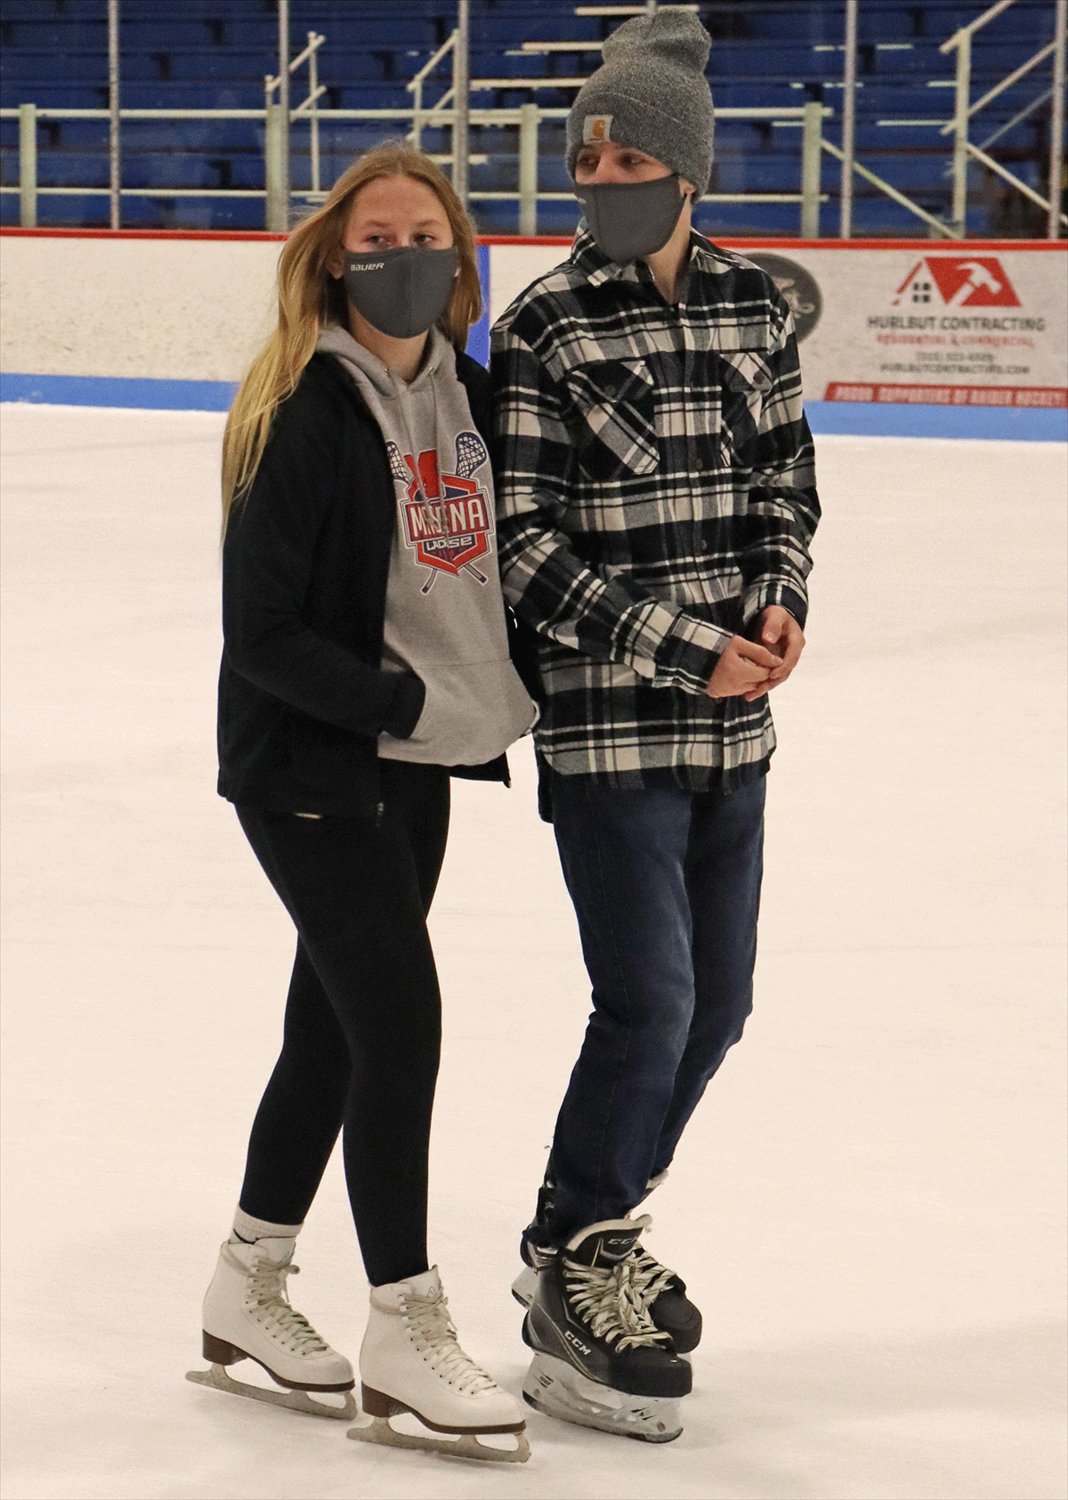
(445, 516)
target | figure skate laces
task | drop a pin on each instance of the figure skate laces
(411, 1361)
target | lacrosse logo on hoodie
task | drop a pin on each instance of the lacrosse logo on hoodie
(447, 514)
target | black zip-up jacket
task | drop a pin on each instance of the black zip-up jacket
(302, 696)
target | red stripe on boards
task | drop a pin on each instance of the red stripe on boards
(928, 247)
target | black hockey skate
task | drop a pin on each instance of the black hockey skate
(599, 1360)
(664, 1290)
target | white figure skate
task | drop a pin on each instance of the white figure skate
(247, 1315)
(410, 1361)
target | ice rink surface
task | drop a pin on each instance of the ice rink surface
(869, 1204)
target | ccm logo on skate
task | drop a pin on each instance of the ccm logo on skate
(579, 1345)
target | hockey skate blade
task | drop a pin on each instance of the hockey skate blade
(466, 1445)
(298, 1401)
(556, 1390)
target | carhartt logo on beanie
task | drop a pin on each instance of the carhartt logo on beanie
(651, 93)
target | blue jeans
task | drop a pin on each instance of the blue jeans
(666, 887)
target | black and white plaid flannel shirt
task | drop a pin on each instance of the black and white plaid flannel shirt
(656, 492)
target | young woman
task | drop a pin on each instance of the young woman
(365, 660)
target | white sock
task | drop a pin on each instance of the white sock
(249, 1230)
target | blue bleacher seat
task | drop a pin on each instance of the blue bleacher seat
(247, 170)
(724, 220)
(24, 67)
(214, 53)
(750, 172)
(72, 169)
(539, 23)
(871, 137)
(54, 93)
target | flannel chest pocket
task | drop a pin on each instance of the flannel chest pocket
(746, 378)
(615, 430)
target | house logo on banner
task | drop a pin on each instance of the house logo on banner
(958, 281)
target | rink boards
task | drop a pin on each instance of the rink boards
(897, 337)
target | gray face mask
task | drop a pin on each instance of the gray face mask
(632, 219)
(401, 292)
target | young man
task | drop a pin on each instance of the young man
(655, 506)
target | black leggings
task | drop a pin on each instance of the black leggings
(362, 1034)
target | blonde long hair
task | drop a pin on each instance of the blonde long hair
(308, 298)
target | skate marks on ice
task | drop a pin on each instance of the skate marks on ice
(292, 1400)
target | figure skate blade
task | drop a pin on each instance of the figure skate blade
(461, 1445)
(554, 1388)
(298, 1401)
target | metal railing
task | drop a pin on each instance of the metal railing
(526, 118)
(966, 151)
(415, 88)
(272, 84)
(846, 153)
(854, 167)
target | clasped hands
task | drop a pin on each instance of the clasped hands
(749, 669)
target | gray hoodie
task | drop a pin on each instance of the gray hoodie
(444, 607)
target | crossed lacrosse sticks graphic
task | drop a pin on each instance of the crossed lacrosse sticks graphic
(470, 455)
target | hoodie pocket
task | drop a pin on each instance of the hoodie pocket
(616, 432)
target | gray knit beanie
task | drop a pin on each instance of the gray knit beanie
(651, 93)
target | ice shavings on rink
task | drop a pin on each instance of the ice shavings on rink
(868, 1205)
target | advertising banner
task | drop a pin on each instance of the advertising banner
(966, 326)
(914, 322)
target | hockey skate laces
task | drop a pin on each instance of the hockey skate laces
(650, 1277)
(434, 1335)
(272, 1309)
(613, 1301)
